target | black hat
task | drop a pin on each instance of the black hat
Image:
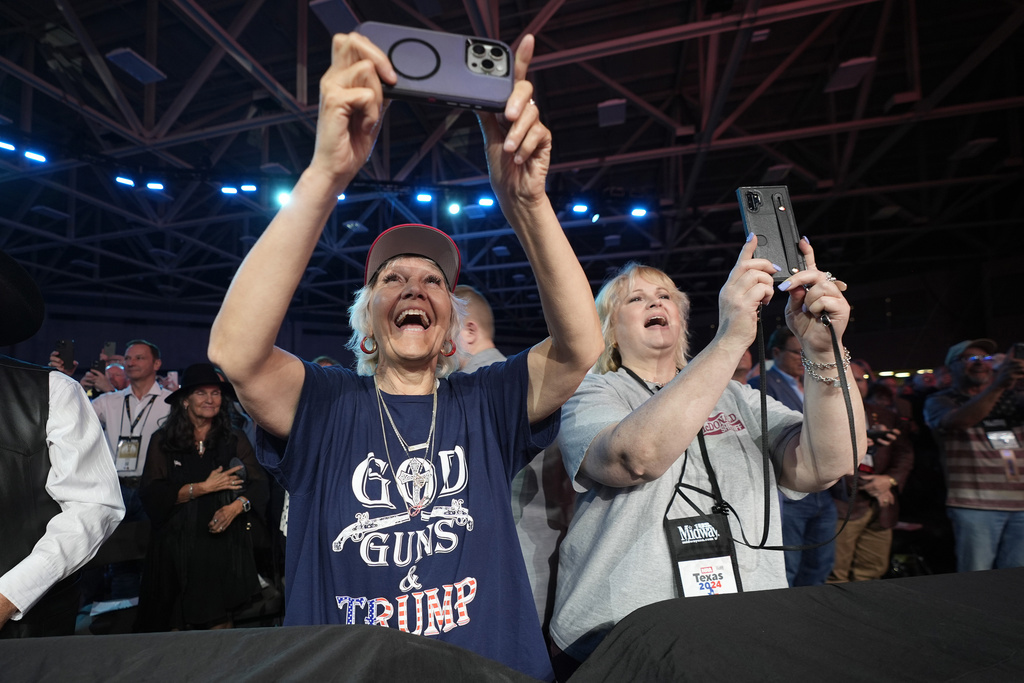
(200, 375)
(21, 303)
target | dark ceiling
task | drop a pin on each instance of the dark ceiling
(914, 170)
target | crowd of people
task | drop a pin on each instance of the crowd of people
(517, 507)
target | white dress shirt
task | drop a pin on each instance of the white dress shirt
(83, 482)
(116, 421)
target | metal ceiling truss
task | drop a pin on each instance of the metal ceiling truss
(712, 101)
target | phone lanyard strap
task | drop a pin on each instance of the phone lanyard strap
(144, 411)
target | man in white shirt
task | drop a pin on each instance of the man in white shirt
(131, 416)
(59, 500)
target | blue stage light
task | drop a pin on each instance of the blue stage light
(485, 201)
(248, 188)
(6, 145)
(424, 197)
(638, 212)
(154, 186)
(454, 208)
(34, 156)
(229, 190)
(580, 208)
(283, 198)
(125, 181)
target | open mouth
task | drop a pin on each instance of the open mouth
(656, 320)
(413, 317)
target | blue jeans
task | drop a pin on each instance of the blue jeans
(133, 510)
(987, 539)
(805, 522)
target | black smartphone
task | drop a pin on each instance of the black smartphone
(100, 365)
(445, 68)
(110, 349)
(768, 213)
(66, 351)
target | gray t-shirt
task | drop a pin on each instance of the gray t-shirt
(615, 558)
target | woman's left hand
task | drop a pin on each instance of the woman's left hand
(518, 145)
(811, 293)
(222, 518)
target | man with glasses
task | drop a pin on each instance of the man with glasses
(979, 424)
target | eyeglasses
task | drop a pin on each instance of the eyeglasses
(975, 359)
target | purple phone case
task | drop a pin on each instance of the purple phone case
(432, 68)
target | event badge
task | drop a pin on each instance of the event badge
(1005, 441)
(703, 554)
(128, 453)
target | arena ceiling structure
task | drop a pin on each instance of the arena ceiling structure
(896, 125)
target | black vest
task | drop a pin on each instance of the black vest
(25, 507)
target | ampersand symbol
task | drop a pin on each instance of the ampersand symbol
(410, 581)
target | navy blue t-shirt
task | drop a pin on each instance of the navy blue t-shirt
(355, 554)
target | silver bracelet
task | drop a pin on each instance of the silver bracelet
(810, 367)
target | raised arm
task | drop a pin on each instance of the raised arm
(518, 156)
(269, 380)
(981, 404)
(644, 444)
(823, 452)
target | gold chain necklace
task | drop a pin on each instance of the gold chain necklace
(420, 478)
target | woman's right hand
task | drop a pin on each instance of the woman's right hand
(222, 480)
(351, 107)
(749, 285)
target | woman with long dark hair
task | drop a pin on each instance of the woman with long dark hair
(200, 484)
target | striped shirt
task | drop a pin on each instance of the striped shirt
(982, 463)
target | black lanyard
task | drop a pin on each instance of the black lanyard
(144, 411)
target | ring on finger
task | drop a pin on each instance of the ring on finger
(829, 277)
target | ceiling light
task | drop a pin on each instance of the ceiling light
(135, 65)
(424, 197)
(579, 208)
(638, 212)
(35, 156)
(248, 187)
(850, 73)
(125, 181)
(154, 186)
(454, 208)
(6, 145)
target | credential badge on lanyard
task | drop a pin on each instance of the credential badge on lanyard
(129, 445)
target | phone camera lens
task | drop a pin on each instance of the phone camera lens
(497, 53)
(487, 65)
(479, 49)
